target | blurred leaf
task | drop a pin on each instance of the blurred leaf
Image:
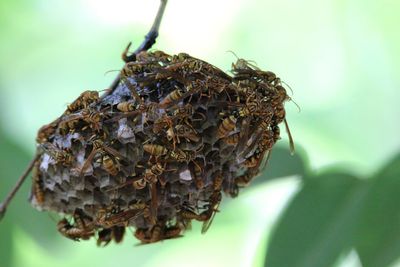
(378, 236)
(318, 224)
(283, 164)
(13, 161)
(6, 252)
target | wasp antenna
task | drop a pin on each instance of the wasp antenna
(107, 72)
(266, 159)
(290, 88)
(6, 202)
(291, 143)
(124, 55)
(253, 63)
(298, 107)
(233, 53)
(294, 102)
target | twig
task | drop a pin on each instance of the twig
(6, 202)
(148, 42)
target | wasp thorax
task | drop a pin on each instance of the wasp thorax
(159, 150)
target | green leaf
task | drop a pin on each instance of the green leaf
(318, 224)
(6, 252)
(283, 164)
(378, 236)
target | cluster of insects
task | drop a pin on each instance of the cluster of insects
(159, 149)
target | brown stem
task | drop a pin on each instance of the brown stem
(6, 202)
(147, 43)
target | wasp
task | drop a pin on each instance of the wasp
(242, 64)
(151, 174)
(151, 177)
(110, 165)
(249, 144)
(267, 140)
(206, 216)
(72, 232)
(114, 216)
(46, 131)
(139, 184)
(157, 233)
(291, 142)
(220, 85)
(166, 122)
(93, 118)
(131, 69)
(243, 134)
(244, 180)
(83, 101)
(59, 155)
(37, 189)
(232, 139)
(157, 55)
(172, 232)
(279, 116)
(78, 230)
(126, 106)
(131, 87)
(185, 64)
(218, 180)
(148, 108)
(106, 235)
(198, 174)
(186, 132)
(245, 69)
(185, 155)
(215, 200)
(246, 87)
(191, 215)
(147, 236)
(252, 107)
(252, 161)
(227, 126)
(100, 147)
(192, 64)
(183, 113)
(255, 105)
(172, 97)
(155, 150)
(232, 191)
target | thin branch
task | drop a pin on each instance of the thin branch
(147, 43)
(6, 202)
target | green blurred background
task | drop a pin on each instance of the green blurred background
(336, 202)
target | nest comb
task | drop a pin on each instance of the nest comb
(159, 150)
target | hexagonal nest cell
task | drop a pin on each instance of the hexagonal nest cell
(158, 151)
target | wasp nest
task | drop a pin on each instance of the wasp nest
(157, 152)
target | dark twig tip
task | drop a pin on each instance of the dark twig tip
(2, 211)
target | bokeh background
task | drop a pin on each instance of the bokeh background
(335, 203)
